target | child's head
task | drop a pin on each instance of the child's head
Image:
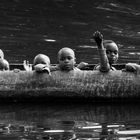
(66, 59)
(42, 63)
(41, 59)
(1, 54)
(111, 51)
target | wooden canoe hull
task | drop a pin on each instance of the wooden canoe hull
(83, 84)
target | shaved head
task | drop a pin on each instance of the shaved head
(41, 59)
(66, 50)
(108, 43)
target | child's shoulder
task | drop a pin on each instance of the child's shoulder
(4, 64)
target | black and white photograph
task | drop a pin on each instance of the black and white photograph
(69, 69)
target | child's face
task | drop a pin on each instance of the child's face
(66, 60)
(112, 52)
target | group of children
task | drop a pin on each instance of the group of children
(108, 53)
(66, 62)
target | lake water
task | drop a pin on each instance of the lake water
(29, 27)
(68, 121)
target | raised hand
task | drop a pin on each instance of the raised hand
(98, 37)
(27, 66)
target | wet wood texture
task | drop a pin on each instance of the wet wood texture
(85, 84)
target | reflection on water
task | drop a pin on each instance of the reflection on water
(72, 122)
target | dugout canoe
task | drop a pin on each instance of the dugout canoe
(87, 84)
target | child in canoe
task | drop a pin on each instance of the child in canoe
(67, 60)
(41, 63)
(4, 65)
(108, 52)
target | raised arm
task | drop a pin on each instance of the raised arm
(104, 64)
(27, 66)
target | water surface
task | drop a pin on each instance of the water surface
(29, 27)
(69, 121)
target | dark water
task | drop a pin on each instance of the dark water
(29, 27)
(69, 122)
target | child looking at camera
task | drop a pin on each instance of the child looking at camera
(108, 52)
